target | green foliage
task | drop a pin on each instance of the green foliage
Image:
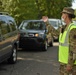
(33, 9)
(52, 8)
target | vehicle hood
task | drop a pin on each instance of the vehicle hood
(32, 31)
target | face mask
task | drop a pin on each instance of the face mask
(63, 22)
(62, 19)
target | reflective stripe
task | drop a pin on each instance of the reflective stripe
(64, 44)
(66, 37)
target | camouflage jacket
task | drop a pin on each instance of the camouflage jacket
(51, 30)
(72, 47)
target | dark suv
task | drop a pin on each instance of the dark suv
(8, 38)
(32, 34)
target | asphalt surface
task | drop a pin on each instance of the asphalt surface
(33, 62)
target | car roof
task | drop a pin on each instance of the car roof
(8, 17)
(33, 21)
(3, 15)
(52, 19)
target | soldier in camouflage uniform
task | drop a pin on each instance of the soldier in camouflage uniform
(69, 68)
(49, 33)
(49, 29)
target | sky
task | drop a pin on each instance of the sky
(74, 4)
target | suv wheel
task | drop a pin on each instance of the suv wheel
(13, 57)
(45, 46)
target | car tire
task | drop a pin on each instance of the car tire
(45, 46)
(13, 57)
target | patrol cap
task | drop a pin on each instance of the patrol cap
(69, 10)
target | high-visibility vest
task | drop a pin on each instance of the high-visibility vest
(64, 44)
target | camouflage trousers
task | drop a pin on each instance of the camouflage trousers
(64, 72)
(49, 37)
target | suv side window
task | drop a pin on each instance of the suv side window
(12, 25)
(4, 27)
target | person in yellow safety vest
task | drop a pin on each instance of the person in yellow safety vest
(67, 43)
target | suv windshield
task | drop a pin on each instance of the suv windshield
(33, 26)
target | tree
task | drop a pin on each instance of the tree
(52, 8)
(75, 15)
(21, 9)
(33, 9)
(1, 7)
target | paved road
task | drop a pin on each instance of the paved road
(33, 62)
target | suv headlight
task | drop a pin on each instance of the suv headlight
(39, 35)
(36, 35)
